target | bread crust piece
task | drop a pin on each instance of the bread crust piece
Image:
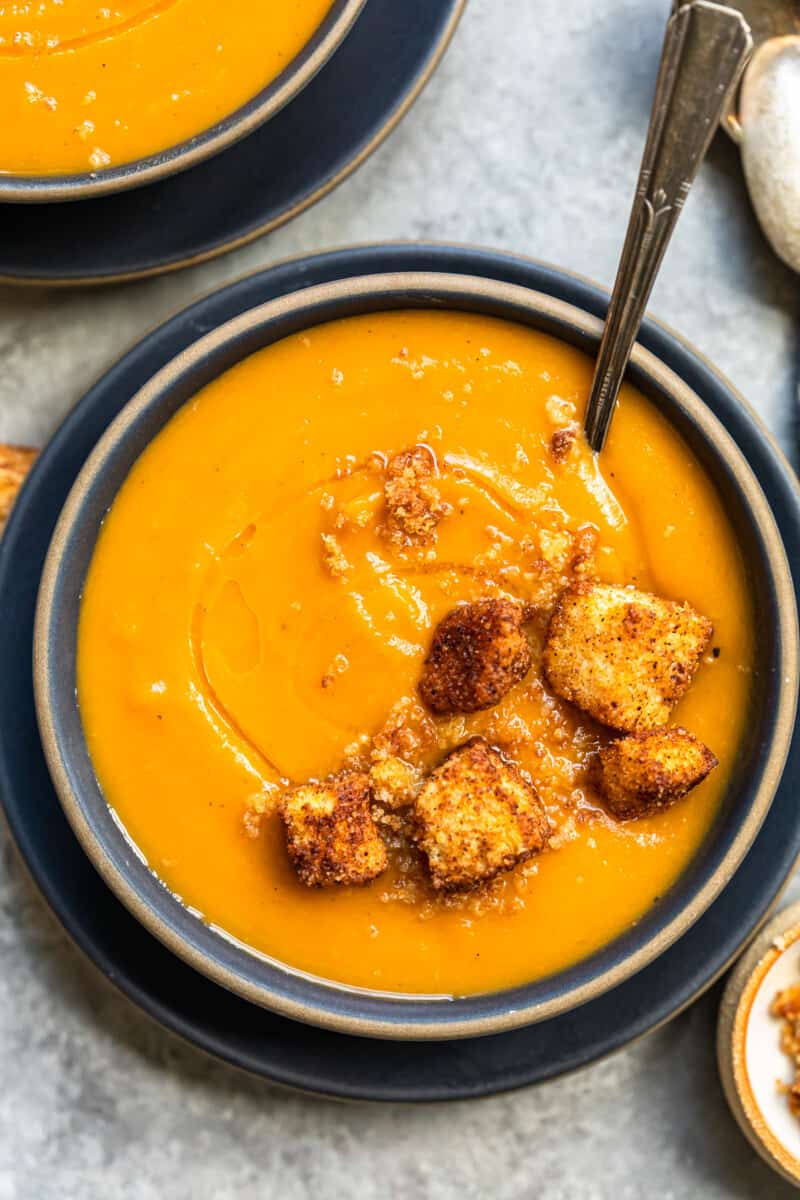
(15, 462)
(330, 834)
(414, 505)
(623, 656)
(477, 816)
(479, 651)
(644, 773)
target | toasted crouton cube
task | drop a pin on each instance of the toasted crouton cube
(414, 505)
(624, 656)
(330, 834)
(479, 651)
(476, 816)
(645, 772)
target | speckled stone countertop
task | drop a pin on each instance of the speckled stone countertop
(529, 139)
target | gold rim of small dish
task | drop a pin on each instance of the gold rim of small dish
(775, 938)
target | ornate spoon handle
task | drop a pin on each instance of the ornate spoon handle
(705, 50)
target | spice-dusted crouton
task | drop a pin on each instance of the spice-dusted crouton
(15, 462)
(414, 504)
(476, 816)
(330, 834)
(645, 772)
(623, 656)
(479, 651)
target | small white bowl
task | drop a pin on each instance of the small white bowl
(751, 1062)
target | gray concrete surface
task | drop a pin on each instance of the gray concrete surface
(528, 138)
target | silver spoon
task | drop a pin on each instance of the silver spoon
(706, 47)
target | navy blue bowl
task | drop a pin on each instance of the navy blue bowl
(274, 985)
(244, 120)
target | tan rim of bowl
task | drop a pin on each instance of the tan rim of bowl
(782, 932)
(44, 189)
(443, 287)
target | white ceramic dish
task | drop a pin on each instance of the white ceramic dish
(752, 1064)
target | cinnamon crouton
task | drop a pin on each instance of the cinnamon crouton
(645, 772)
(479, 651)
(330, 834)
(624, 656)
(476, 816)
(414, 505)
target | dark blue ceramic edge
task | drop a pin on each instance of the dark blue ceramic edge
(280, 91)
(304, 996)
(782, 493)
(319, 139)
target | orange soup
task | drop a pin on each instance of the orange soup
(247, 625)
(84, 86)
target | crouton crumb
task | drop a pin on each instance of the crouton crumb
(333, 556)
(479, 651)
(330, 834)
(251, 822)
(394, 782)
(338, 666)
(408, 732)
(584, 550)
(644, 773)
(623, 656)
(477, 816)
(561, 444)
(258, 805)
(414, 505)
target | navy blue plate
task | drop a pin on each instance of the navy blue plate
(214, 1019)
(293, 160)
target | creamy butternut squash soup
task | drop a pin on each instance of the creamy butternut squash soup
(84, 86)
(391, 680)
